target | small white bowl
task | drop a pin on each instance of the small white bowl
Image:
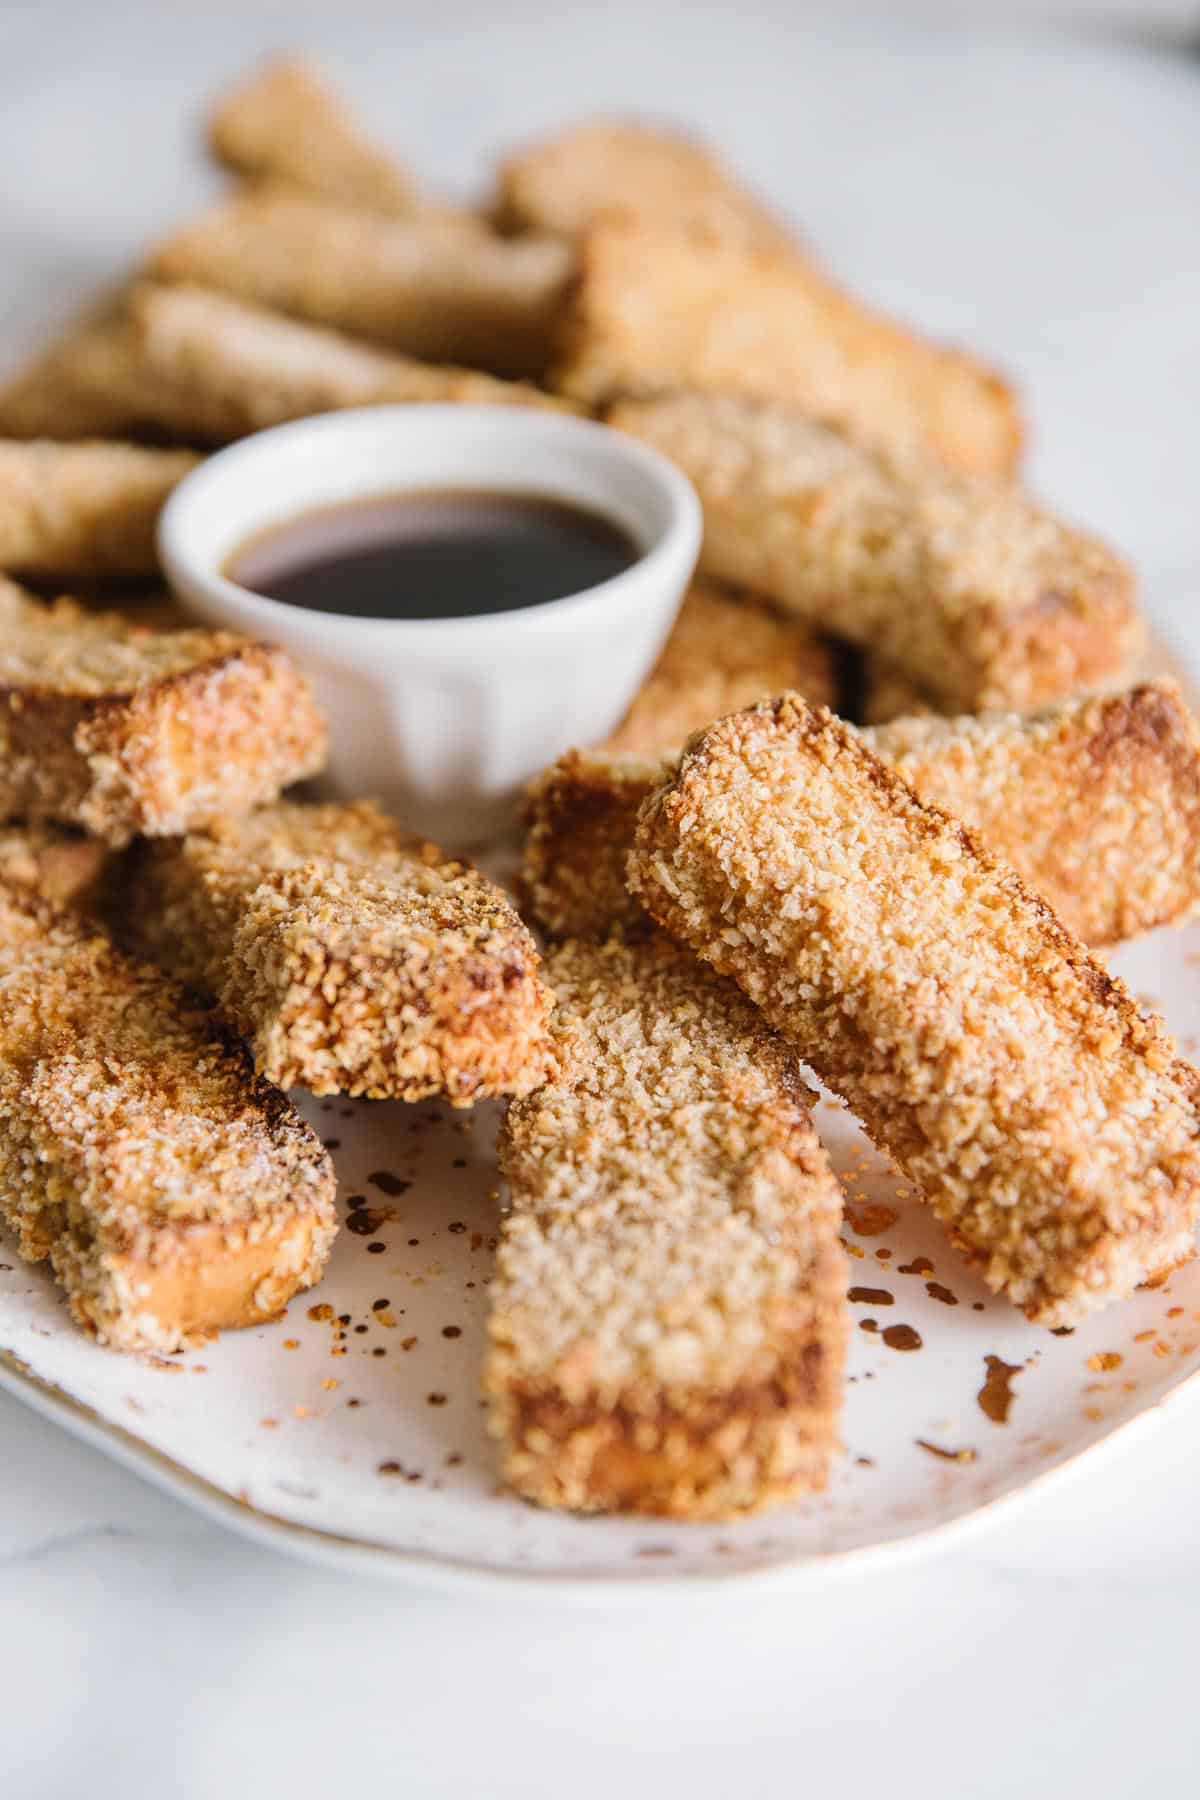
(444, 720)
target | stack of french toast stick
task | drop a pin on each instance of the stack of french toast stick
(892, 785)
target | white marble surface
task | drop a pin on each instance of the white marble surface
(1040, 200)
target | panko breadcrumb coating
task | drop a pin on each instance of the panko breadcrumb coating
(1043, 1115)
(84, 511)
(1095, 803)
(668, 1308)
(610, 168)
(86, 383)
(284, 123)
(51, 862)
(580, 819)
(980, 596)
(352, 957)
(725, 651)
(430, 287)
(173, 1193)
(219, 368)
(654, 311)
(112, 725)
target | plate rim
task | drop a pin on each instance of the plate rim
(434, 1570)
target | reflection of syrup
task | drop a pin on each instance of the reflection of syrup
(865, 1296)
(996, 1395)
(955, 1456)
(902, 1337)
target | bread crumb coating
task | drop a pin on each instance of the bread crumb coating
(668, 1308)
(218, 368)
(352, 957)
(1096, 803)
(580, 818)
(725, 651)
(654, 311)
(1043, 1115)
(173, 1193)
(976, 593)
(431, 287)
(614, 168)
(284, 123)
(86, 383)
(112, 725)
(84, 511)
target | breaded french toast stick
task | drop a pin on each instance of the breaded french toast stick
(352, 957)
(223, 369)
(651, 174)
(173, 1193)
(87, 383)
(84, 512)
(1042, 1114)
(429, 287)
(725, 651)
(653, 311)
(668, 1309)
(122, 729)
(284, 123)
(1095, 803)
(580, 820)
(969, 587)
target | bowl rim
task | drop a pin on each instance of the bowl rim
(187, 567)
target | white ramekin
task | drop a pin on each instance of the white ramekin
(444, 720)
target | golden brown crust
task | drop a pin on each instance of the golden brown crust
(668, 1308)
(1096, 803)
(971, 589)
(580, 818)
(219, 369)
(284, 123)
(1042, 1114)
(173, 1193)
(430, 287)
(111, 725)
(84, 511)
(52, 862)
(87, 383)
(351, 956)
(726, 650)
(652, 311)
(651, 174)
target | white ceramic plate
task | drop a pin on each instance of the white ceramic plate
(352, 1429)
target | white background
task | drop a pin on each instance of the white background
(1041, 200)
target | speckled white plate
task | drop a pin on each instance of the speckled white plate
(352, 1429)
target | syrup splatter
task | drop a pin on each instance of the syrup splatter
(996, 1396)
(965, 1455)
(902, 1337)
